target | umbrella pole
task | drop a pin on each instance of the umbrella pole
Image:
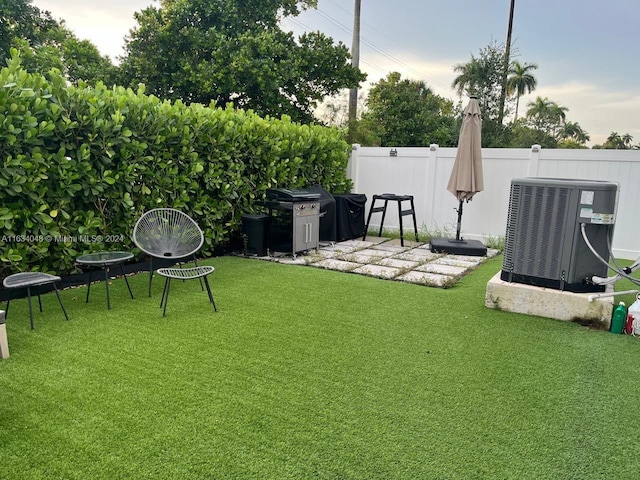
(459, 221)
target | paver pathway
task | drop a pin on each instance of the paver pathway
(386, 258)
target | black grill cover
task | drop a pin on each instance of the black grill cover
(327, 214)
(350, 215)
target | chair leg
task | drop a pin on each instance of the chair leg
(150, 273)
(39, 300)
(166, 300)
(195, 262)
(89, 285)
(6, 314)
(30, 309)
(206, 282)
(60, 301)
(106, 283)
(164, 291)
(126, 281)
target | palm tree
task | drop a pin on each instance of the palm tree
(619, 142)
(614, 140)
(573, 131)
(557, 117)
(469, 79)
(539, 110)
(547, 116)
(521, 81)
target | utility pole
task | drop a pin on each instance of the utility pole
(355, 61)
(505, 69)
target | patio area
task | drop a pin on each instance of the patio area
(386, 258)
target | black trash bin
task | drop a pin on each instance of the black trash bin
(350, 215)
(255, 228)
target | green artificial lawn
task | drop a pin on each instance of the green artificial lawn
(306, 373)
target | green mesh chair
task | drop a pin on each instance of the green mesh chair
(169, 234)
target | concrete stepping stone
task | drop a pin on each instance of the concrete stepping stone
(397, 263)
(362, 257)
(322, 253)
(435, 267)
(458, 263)
(418, 255)
(425, 278)
(334, 264)
(378, 271)
(407, 243)
(356, 244)
(466, 258)
(372, 239)
(389, 248)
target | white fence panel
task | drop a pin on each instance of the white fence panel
(424, 173)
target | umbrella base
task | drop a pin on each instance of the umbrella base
(452, 246)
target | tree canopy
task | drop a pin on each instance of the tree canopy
(407, 113)
(233, 51)
(482, 77)
(46, 43)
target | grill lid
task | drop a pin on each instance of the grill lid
(291, 195)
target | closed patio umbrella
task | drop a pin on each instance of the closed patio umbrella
(466, 179)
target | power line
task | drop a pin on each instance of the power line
(379, 49)
(308, 29)
(347, 30)
(392, 57)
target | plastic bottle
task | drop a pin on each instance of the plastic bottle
(619, 318)
(633, 314)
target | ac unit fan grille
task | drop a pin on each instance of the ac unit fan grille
(535, 229)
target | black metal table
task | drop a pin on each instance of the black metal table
(104, 261)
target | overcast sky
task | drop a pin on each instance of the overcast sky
(586, 50)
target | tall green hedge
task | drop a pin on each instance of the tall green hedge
(79, 165)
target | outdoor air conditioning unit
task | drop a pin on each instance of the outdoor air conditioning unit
(544, 244)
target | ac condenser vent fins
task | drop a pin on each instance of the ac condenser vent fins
(543, 243)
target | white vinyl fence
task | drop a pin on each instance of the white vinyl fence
(424, 172)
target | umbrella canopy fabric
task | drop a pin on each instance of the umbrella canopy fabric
(466, 177)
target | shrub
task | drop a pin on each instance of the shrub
(80, 164)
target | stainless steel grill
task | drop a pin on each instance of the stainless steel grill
(295, 220)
